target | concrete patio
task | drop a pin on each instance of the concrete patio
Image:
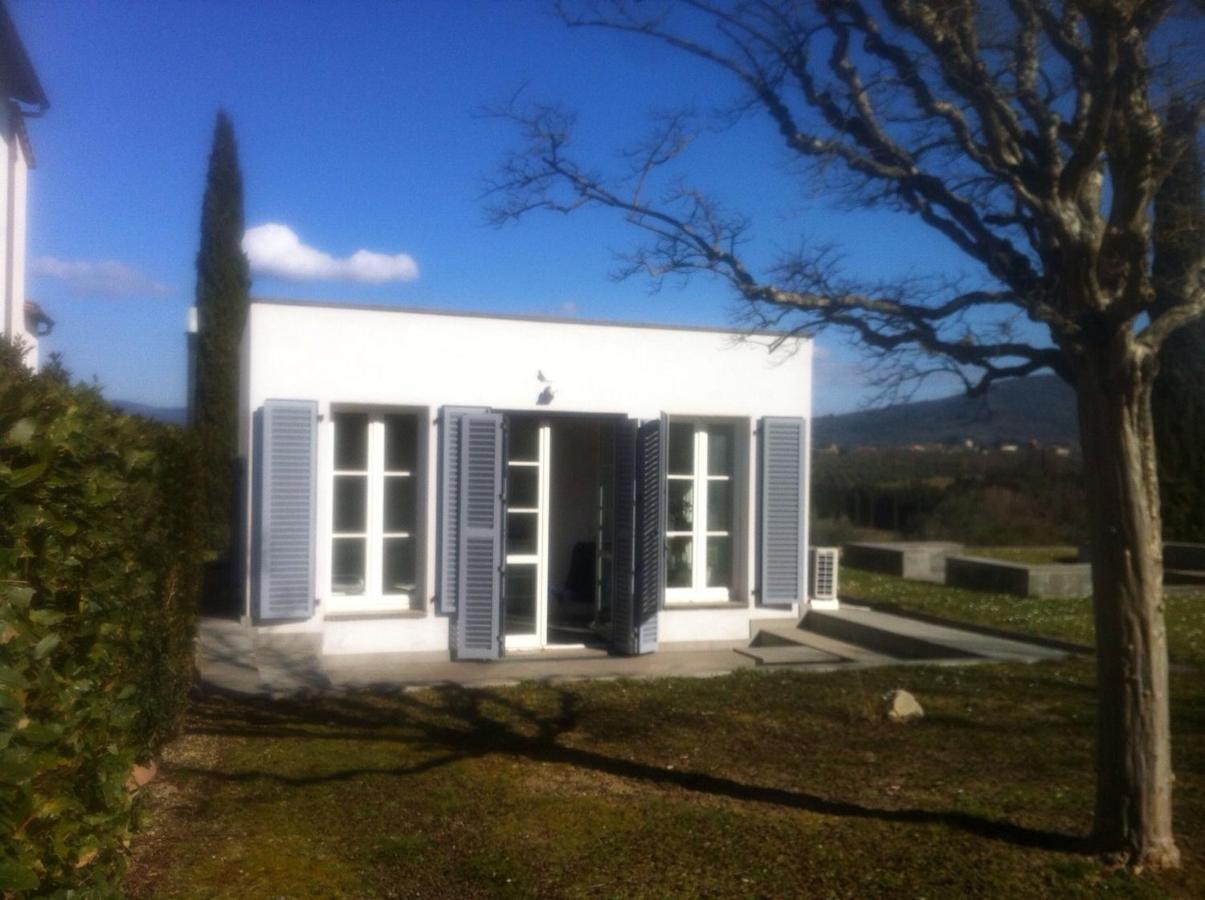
(232, 658)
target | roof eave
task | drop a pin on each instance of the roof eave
(22, 82)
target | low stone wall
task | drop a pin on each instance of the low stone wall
(1183, 563)
(1049, 580)
(919, 560)
(1189, 557)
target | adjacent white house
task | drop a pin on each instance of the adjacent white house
(481, 485)
(21, 97)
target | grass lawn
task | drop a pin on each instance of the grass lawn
(754, 784)
(757, 784)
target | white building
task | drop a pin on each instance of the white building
(476, 484)
(22, 97)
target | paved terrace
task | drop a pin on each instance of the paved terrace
(232, 658)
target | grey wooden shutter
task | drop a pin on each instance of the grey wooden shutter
(782, 511)
(285, 509)
(624, 542)
(651, 443)
(639, 536)
(450, 419)
(479, 553)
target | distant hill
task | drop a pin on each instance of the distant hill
(173, 415)
(1041, 407)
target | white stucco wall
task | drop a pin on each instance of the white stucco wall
(423, 360)
(13, 191)
(407, 358)
(7, 319)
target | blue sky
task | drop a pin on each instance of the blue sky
(359, 129)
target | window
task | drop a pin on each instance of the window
(374, 508)
(699, 527)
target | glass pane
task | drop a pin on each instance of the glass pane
(681, 504)
(397, 570)
(521, 533)
(399, 503)
(678, 562)
(347, 566)
(524, 439)
(523, 487)
(681, 448)
(351, 441)
(401, 443)
(719, 561)
(719, 505)
(719, 450)
(351, 503)
(520, 599)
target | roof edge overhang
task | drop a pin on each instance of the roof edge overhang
(19, 77)
(528, 317)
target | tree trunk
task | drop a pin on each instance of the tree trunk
(1133, 820)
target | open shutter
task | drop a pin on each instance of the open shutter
(639, 535)
(285, 517)
(450, 418)
(782, 508)
(479, 551)
(651, 444)
(624, 542)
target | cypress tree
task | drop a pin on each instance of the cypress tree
(1178, 399)
(223, 288)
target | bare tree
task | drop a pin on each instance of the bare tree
(1031, 135)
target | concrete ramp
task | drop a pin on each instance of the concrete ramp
(866, 637)
(907, 638)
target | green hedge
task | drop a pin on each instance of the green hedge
(100, 560)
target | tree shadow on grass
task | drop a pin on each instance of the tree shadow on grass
(452, 724)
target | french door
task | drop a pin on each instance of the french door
(525, 624)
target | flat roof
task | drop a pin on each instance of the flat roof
(522, 317)
(17, 73)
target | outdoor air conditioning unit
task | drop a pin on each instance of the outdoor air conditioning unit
(822, 578)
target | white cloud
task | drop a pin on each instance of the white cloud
(275, 250)
(569, 308)
(107, 277)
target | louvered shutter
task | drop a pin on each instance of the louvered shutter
(650, 530)
(640, 536)
(624, 543)
(479, 551)
(782, 511)
(285, 509)
(450, 418)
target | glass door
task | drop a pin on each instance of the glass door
(526, 587)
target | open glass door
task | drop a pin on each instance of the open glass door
(526, 588)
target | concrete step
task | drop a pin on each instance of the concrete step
(791, 634)
(790, 655)
(1181, 577)
(851, 652)
(877, 632)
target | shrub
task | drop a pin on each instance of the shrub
(1030, 497)
(1039, 513)
(100, 554)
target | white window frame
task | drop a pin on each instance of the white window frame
(374, 598)
(538, 560)
(699, 591)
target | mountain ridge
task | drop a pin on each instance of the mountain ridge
(172, 415)
(1038, 408)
